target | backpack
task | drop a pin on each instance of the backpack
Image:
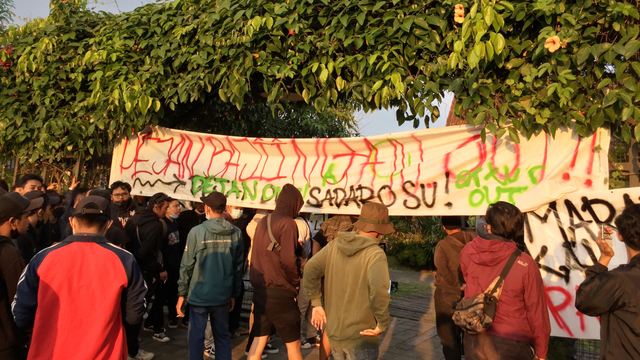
(475, 314)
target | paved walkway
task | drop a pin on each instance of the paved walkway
(410, 336)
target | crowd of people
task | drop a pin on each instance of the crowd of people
(83, 274)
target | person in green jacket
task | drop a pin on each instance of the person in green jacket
(211, 276)
(356, 286)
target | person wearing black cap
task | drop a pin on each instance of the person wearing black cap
(448, 293)
(52, 229)
(75, 295)
(32, 242)
(211, 277)
(147, 234)
(14, 209)
(356, 286)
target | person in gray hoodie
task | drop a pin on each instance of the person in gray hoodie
(356, 286)
(211, 277)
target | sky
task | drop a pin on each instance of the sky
(378, 122)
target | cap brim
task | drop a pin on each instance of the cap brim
(54, 200)
(35, 203)
(383, 229)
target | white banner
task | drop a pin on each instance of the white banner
(561, 238)
(444, 171)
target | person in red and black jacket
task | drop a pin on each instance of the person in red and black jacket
(75, 295)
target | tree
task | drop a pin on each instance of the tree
(81, 78)
(6, 16)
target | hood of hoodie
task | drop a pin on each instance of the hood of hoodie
(490, 252)
(146, 216)
(289, 201)
(351, 243)
(219, 226)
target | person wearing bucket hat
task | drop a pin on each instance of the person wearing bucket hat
(84, 266)
(14, 209)
(356, 286)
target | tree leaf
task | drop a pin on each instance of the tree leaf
(513, 134)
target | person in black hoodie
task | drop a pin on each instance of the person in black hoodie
(32, 241)
(613, 295)
(14, 210)
(172, 253)
(275, 275)
(147, 235)
(115, 233)
(121, 198)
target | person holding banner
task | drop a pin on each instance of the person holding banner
(614, 295)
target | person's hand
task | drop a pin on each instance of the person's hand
(464, 286)
(232, 304)
(371, 332)
(52, 186)
(606, 252)
(179, 306)
(318, 317)
(74, 183)
(163, 276)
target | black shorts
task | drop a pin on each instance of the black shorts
(277, 308)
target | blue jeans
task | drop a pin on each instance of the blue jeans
(198, 317)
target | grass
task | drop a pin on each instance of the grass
(411, 289)
(395, 265)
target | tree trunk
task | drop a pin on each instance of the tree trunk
(16, 169)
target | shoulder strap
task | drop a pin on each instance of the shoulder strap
(274, 244)
(164, 228)
(505, 270)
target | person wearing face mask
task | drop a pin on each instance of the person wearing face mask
(240, 218)
(83, 266)
(172, 253)
(50, 230)
(14, 210)
(122, 200)
(115, 233)
(147, 236)
(187, 220)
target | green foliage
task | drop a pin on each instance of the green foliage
(81, 78)
(5, 12)
(297, 120)
(414, 242)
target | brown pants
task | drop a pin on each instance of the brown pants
(488, 347)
